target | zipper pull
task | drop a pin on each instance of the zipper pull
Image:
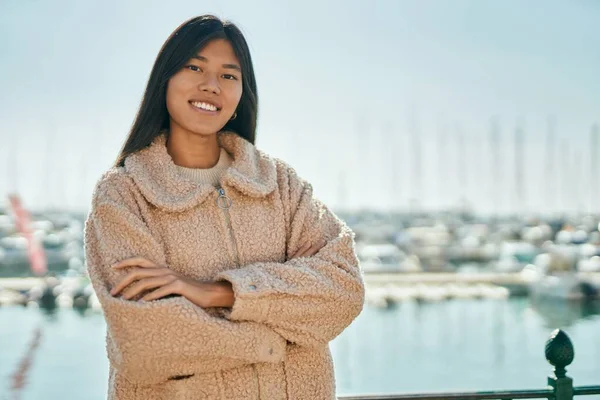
(223, 201)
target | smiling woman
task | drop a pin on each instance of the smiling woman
(206, 61)
(220, 275)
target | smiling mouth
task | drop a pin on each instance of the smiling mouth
(204, 106)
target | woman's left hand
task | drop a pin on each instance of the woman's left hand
(158, 281)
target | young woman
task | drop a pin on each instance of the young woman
(219, 274)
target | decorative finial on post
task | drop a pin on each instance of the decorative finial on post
(560, 353)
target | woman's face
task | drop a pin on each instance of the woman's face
(204, 94)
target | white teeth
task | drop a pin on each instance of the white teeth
(204, 106)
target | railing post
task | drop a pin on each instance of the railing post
(560, 353)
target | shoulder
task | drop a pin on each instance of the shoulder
(287, 176)
(115, 186)
(289, 183)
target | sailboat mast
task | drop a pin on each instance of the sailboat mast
(496, 181)
(462, 166)
(550, 171)
(417, 171)
(594, 143)
(520, 206)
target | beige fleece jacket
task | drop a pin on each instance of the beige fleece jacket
(273, 343)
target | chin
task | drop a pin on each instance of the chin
(205, 130)
(197, 126)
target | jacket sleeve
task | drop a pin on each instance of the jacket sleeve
(309, 300)
(149, 342)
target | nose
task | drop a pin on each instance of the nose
(210, 84)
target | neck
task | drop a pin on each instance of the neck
(193, 150)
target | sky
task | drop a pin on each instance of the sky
(379, 104)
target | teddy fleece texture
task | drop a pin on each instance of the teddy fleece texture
(273, 343)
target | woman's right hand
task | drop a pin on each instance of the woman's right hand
(309, 250)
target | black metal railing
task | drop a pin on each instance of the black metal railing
(559, 353)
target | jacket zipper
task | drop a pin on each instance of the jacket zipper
(225, 203)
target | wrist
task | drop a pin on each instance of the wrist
(222, 294)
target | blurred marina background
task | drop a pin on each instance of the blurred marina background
(459, 139)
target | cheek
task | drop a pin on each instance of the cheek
(174, 95)
(235, 95)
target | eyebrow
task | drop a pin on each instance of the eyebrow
(228, 66)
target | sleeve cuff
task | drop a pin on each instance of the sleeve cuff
(250, 290)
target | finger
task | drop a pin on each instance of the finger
(134, 275)
(147, 284)
(308, 251)
(313, 250)
(321, 244)
(134, 262)
(301, 250)
(170, 288)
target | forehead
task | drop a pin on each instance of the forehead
(218, 50)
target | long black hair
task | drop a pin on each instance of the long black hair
(187, 40)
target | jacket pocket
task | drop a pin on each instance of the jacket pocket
(180, 377)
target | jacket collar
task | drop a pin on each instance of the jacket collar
(252, 173)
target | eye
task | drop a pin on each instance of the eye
(194, 68)
(230, 77)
